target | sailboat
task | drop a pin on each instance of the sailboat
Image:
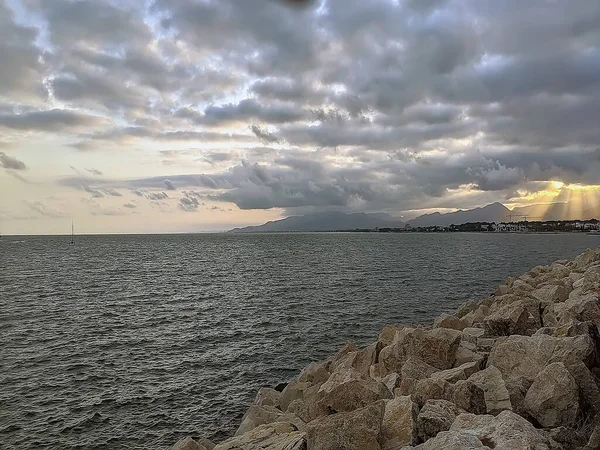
(72, 233)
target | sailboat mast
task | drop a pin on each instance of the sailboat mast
(72, 232)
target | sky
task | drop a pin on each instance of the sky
(201, 115)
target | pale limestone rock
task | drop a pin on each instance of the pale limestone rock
(466, 354)
(591, 278)
(451, 440)
(507, 431)
(497, 398)
(521, 286)
(436, 416)
(432, 389)
(553, 398)
(274, 436)
(549, 294)
(584, 260)
(466, 308)
(392, 381)
(436, 347)
(350, 390)
(582, 308)
(268, 397)
(469, 396)
(399, 426)
(526, 356)
(348, 347)
(360, 360)
(294, 391)
(458, 373)
(412, 371)
(574, 276)
(449, 321)
(258, 415)
(314, 373)
(356, 430)
(588, 386)
(470, 334)
(388, 334)
(514, 318)
(189, 444)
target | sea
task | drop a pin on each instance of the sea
(135, 341)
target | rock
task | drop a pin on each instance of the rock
(412, 371)
(436, 347)
(526, 356)
(360, 360)
(458, 373)
(550, 294)
(314, 373)
(497, 398)
(350, 390)
(514, 318)
(568, 437)
(471, 334)
(502, 289)
(392, 381)
(432, 389)
(348, 347)
(436, 416)
(399, 426)
(517, 389)
(466, 355)
(591, 278)
(294, 391)
(258, 415)
(574, 276)
(521, 286)
(588, 386)
(469, 396)
(584, 260)
(505, 431)
(553, 398)
(268, 397)
(189, 444)
(274, 436)
(485, 344)
(466, 308)
(584, 307)
(388, 334)
(449, 321)
(594, 441)
(356, 430)
(447, 440)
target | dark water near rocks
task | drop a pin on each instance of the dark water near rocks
(131, 342)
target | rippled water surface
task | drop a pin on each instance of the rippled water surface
(127, 342)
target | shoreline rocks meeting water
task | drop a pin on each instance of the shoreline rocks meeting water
(517, 370)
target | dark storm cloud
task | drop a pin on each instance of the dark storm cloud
(10, 162)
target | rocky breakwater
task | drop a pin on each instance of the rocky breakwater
(517, 370)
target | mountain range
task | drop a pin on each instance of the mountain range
(495, 212)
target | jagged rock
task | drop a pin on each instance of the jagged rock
(314, 373)
(268, 397)
(392, 381)
(497, 398)
(485, 344)
(412, 371)
(348, 347)
(574, 276)
(274, 436)
(350, 390)
(356, 430)
(505, 431)
(360, 360)
(553, 398)
(568, 437)
(449, 321)
(502, 289)
(477, 316)
(517, 389)
(451, 440)
(591, 278)
(521, 286)
(584, 307)
(436, 347)
(399, 426)
(594, 441)
(514, 318)
(304, 411)
(470, 334)
(458, 373)
(470, 397)
(526, 356)
(588, 386)
(466, 354)
(258, 415)
(189, 444)
(584, 260)
(551, 294)
(466, 308)
(432, 389)
(388, 334)
(436, 416)
(294, 391)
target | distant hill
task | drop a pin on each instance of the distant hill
(325, 221)
(496, 212)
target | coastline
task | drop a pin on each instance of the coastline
(526, 358)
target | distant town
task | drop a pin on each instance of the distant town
(549, 226)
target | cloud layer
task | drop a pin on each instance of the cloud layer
(346, 104)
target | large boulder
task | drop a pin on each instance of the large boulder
(584, 260)
(591, 278)
(356, 430)
(451, 440)
(360, 361)
(497, 398)
(350, 390)
(274, 436)
(432, 389)
(314, 373)
(553, 398)
(399, 426)
(436, 347)
(189, 444)
(296, 390)
(526, 356)
(449, 321)
(578, 307)
(412, 371)
(469, 396)
(552, 293)
(268, 397)
(461, 372)
(436, 416)
(258, 415)
(513, 318)
(505, 431)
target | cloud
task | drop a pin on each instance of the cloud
(52, 120)
(94, 172)
(18, 176)
(130, 205)
(10, 162)
(190, 201)
(263, 135)
(45, 210)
